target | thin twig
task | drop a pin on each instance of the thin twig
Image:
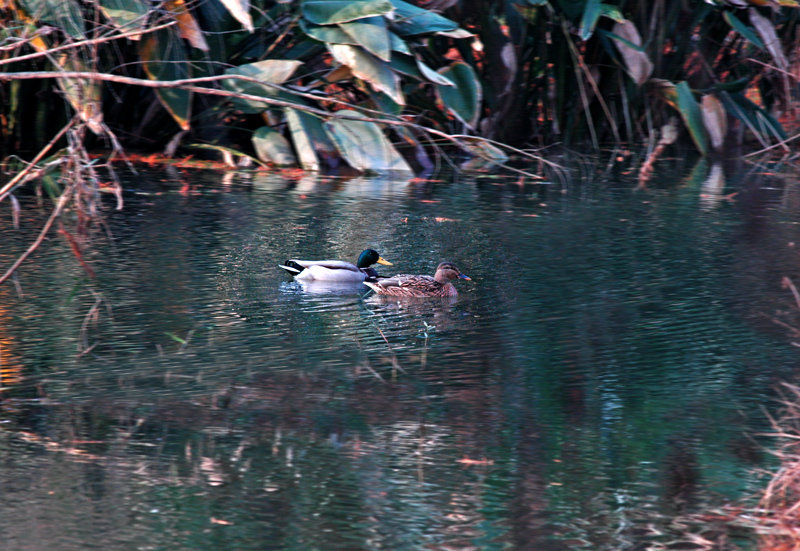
(9, 186)
(88, 42)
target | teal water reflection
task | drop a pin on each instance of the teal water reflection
(597, 382)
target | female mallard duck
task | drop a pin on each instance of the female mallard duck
(337, 271)
(407, 285)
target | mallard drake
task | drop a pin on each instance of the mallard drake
(407, 285)
(336, 270)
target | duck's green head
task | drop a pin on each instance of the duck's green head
(370, 257)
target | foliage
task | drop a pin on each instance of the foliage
(618, 70)
(309, 72)
(377, 83)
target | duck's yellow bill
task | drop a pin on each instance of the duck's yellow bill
(384, 262)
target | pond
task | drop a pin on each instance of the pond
(600, 383)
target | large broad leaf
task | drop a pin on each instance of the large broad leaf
(327, 12)
(591, 13)
(748, 32)
(637, 64)
(272, 147)
(715, 119)
(410, 20)
(692, 117)
(125, 15)
(309, 138)
(240, 10)
(463, 99)
(64, 14)
(369, 68)
(272, 71)
(363, 144)
(371, 34)
(164, 58)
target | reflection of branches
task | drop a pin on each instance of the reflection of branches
(62, 201)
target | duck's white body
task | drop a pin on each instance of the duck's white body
(337, 271)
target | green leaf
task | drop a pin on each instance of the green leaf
(126, 15)
(371, 34)
(433, 76)
(164, 58)
(611, 12)
(463, 99)
(331, 34)
(591, 13)
(398, 44)
(410, 20)
(272, 147)
(309, 138)
(738, 25)
(692, 116)
(758, 121)
(363, 144)
(273, 71)
(369, 68)
(328, 12)
(64, 14)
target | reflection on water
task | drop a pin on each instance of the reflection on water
(593, 387)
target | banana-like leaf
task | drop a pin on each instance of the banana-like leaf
(328, 12)
(692, 117)
(715, 119)
(591, 13)
(271, 71)
(309, 138)
(125, 15)
(164, 58)
(637, 64)
(463, 99)
(611, 12)
(398, 44)
(272, 147)
(371, 34)
(363, 144)
(769, 37)
(738, 25)
(240, 10)
(409, 20)
(369, 68)
(64, 14)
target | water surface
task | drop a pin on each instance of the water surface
(597, 383)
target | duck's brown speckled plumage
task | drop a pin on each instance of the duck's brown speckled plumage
(410, 285)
